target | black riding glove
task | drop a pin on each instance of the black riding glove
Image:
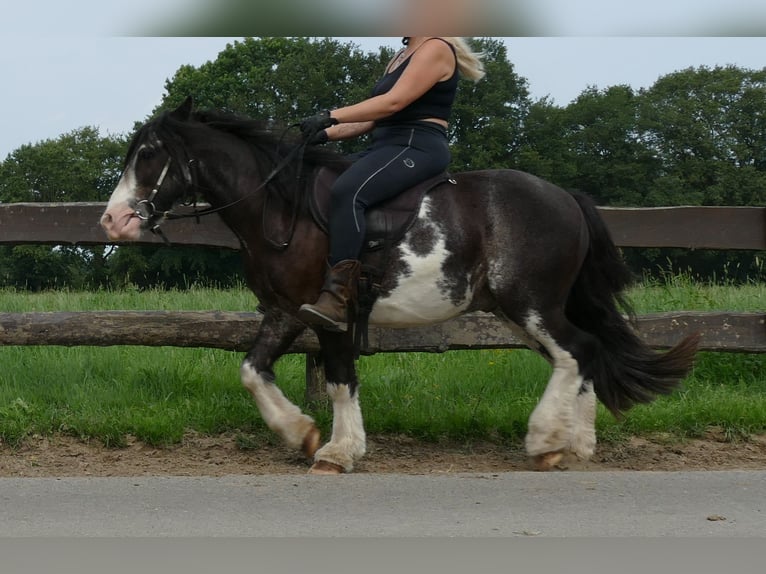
(312, 126)
(318, 138)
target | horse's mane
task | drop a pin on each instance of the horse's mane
(269, 137)
(269, 141)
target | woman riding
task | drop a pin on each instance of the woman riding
(407, 114)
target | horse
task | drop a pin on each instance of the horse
(499, 241)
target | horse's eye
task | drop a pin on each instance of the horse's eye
(147, 153)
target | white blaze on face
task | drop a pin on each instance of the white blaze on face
(419, 296)
(119, 219)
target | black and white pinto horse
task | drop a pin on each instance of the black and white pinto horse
(501, 241)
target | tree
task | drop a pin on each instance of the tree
(545, 150)
(284, 79)
(696, 137)
(707, 127)
(173, 267)
(612, 162)
(486, 128)
(78, 166)
(279, 79)
(593, 145)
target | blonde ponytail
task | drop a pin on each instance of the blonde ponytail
(468, 62)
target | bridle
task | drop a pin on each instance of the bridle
(145, 210)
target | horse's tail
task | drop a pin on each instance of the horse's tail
(624, 370)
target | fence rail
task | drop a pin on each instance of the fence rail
(77, 224)
(686, 227)
(235, 331)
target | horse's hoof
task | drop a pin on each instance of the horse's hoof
(311, 442)
(324, 467)
(547, 461)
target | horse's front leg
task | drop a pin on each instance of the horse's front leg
(277, 332)
(348, 441)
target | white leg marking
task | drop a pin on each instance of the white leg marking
(584, 430)
(348, 441)
(551, 424)
(281, 416)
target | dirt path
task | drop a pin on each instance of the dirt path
(204, 456)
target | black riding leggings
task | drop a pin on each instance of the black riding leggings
(400, 157)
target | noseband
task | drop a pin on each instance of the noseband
(145, 209)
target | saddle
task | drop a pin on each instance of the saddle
(388, 222)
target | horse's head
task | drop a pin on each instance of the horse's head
(156, 176)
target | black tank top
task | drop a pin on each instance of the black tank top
(435, 103)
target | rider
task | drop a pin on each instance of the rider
(407, 114)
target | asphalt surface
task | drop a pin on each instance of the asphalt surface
(559, 504)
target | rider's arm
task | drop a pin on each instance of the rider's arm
(348, 131)
(431, 63)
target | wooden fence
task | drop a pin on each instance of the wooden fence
(77, 224)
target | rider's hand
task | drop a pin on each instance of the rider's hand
(313, 126)
(318, 138)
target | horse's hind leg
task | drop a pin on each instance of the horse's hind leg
(564, 419)
(582, 431)
(583, 440)
(278, 330)
(348, 440)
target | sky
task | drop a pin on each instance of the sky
(66, 65)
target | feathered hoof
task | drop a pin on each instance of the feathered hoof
(311, 442)
(325, 467)
(547, 461)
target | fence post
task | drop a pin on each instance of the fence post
(316, 384)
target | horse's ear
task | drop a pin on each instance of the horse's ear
(183, 111)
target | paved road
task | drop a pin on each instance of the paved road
(582, 504)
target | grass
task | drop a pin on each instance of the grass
(158, 394)
(681, 292)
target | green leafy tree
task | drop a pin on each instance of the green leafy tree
(284, 79)
(696, 137)
(592, 145)
(611, 160)
(545, 150)
(279, 79)
(707, 127)
(487, 123)
(78, 166)
(174, 267)
(35, 267)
